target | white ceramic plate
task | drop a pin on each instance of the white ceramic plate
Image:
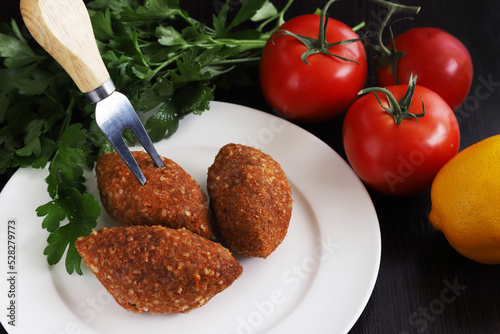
(317, 281)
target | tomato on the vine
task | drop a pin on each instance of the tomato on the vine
(441, 62)
(395, 143)
(312, 68)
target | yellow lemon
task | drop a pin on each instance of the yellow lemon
(465, 199)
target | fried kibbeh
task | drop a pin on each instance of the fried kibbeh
(250, 198)
(171, 197)
(157, 269)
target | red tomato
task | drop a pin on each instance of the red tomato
(321, 90)
(439, 60)
(400, 159)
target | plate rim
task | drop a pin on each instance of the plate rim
(377, 239)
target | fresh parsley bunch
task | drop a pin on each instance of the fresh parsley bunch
(156, 54)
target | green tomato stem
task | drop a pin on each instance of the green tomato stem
(393, 8)
(392, 55)
(323, 24)
(398, 109)
(319, 45)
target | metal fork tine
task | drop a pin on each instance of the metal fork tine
(122, 149)
(113, 115)
(145, 141)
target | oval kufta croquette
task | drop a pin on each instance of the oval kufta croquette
(171, 197)
(157, 269)
(251, 200)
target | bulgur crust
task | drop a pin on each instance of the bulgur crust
(251, 199)
(171, 197)
(157, 269)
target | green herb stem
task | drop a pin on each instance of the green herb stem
(279, 18)
(243, 44)
(165, 64)
(359, 26)
(236, 61)
(69, 114)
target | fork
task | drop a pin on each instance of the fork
(63, 28)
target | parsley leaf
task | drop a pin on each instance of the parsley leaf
(65, 186)
(16, 52)
(82, 212)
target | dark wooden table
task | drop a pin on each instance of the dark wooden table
(423, 286)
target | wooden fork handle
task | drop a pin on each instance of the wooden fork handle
(64, 30)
